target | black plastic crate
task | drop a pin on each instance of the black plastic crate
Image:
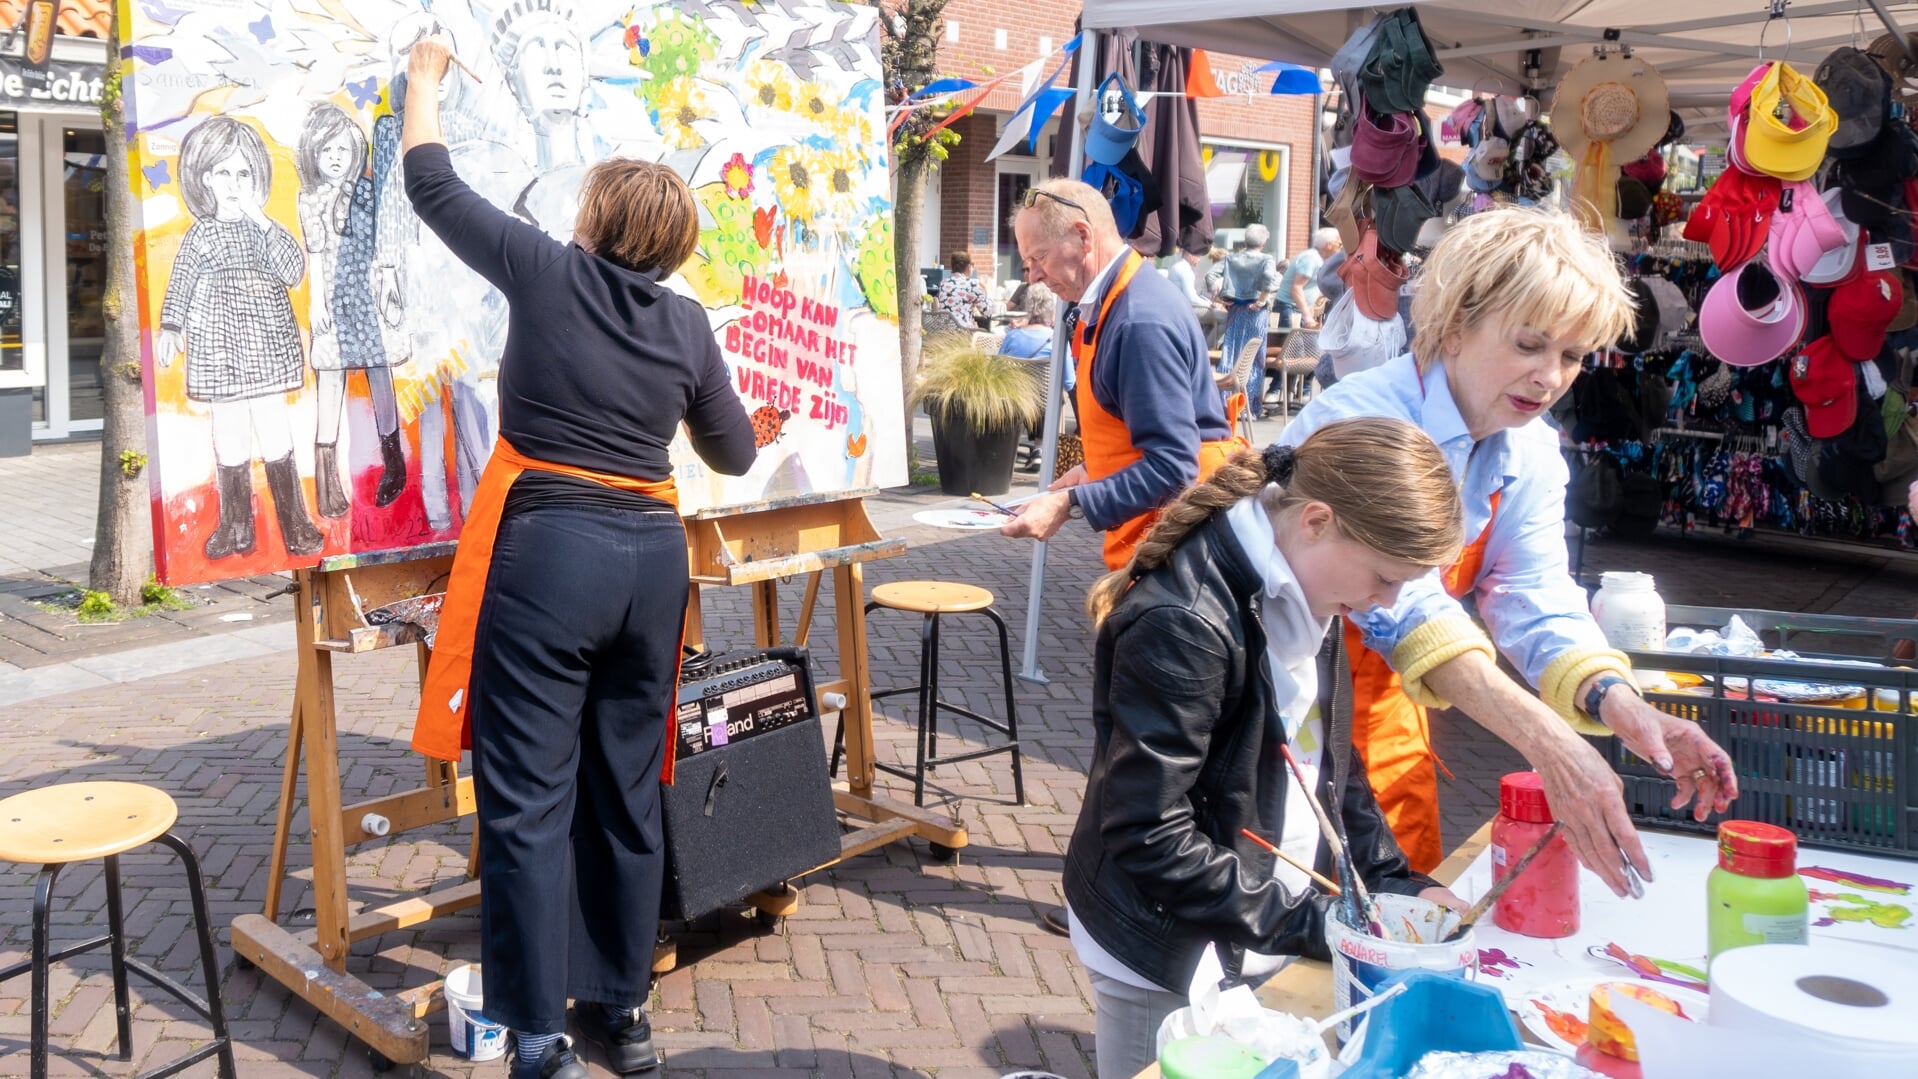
(1838, 777)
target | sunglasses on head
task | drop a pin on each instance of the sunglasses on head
(1033, 195)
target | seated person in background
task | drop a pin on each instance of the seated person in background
(1030, 338)
(1299, 292)
(961, 295)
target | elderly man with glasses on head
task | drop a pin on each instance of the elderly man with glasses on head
(1149, 412)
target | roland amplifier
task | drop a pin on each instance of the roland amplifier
(751, 802)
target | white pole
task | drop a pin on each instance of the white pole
(1055, 390)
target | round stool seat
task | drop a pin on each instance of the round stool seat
(932, 597)
(71, 822)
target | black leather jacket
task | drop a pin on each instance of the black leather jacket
(1157, 866)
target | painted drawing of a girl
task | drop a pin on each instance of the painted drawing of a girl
(227, 310)
(338, 204)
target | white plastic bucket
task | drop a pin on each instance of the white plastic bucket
(474, 1036)
(1361, 961)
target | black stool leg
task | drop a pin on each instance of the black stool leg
(117, 947)
(931, 673)
(928, 699)
(42, 915)
(1012, 712)
(216, 1013)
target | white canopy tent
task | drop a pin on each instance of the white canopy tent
(1702, 53)
(1508, 47)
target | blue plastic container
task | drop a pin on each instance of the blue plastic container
(1436, 1013)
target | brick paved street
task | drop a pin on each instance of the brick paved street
(894, 964)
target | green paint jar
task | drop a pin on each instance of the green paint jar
(1754, 896)
(1211, 1057)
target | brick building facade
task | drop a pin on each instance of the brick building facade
(971, 198)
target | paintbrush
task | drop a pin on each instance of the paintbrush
(1008, 511)
(1498, 888)
(1331, 887)
(461, 64)
(1358, 903)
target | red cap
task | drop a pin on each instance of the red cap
(1827, 383)
(1751, 849)
(1521, 796)
(1861, 310)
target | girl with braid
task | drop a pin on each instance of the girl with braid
(1216, 647)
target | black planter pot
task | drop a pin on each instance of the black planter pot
(972, 459)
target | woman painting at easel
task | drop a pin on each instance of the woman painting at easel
(558, 648)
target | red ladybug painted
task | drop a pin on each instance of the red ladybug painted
(768, 424)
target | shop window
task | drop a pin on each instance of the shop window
(1245, 185)
(84, 181)
(12, 306)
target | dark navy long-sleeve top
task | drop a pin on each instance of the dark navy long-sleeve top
(601, 362)
(1151, 372)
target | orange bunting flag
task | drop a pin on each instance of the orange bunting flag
(1198, 77)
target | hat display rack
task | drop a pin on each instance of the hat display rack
(1388, 182)
(1787, 403)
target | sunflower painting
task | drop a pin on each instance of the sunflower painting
(773, 112)
(678, 104)
(769, 86)
(798, 176)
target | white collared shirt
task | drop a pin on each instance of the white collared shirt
(1292, 641)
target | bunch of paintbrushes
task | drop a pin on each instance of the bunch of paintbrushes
(1358, 905)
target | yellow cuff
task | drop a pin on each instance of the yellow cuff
(1558, 687)
(1431, 646)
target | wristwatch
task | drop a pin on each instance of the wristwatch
(1073, 510)
(1596, 697)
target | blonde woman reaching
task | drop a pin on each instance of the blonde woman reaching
(1505, 310)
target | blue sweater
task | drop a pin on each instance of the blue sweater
(1151, 372)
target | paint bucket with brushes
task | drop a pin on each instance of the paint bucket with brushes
(1414, 927)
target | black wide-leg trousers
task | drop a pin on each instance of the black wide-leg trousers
(573, 689)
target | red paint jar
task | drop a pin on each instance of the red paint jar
(1544, 901)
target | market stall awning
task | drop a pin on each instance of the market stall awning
(1702, 48)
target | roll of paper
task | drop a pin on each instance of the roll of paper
(1857, 1002)
(1828, 1009)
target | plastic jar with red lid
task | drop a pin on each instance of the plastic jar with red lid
(1543, 902)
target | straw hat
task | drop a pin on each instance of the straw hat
(1904, 74)
(1613, 99)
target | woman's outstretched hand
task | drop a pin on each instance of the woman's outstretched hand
(427, 61)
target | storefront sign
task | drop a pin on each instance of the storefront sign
(67, 83)
(1246, 80)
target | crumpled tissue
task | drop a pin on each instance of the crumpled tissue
(1237, 1014)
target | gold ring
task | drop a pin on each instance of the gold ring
(1700, 773)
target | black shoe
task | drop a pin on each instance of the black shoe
(1055, 919)
(557, 1063)
(623, 1033)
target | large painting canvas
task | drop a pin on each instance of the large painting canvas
(321, 372)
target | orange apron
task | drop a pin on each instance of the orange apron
(1108, 445)
(444, 726)
(1391, 732)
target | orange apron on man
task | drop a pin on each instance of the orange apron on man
(444, 725)
(1108, 445)
(1392, 735)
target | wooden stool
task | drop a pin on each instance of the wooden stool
(74, 822)
(933, 599)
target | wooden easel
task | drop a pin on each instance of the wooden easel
(758, 545)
